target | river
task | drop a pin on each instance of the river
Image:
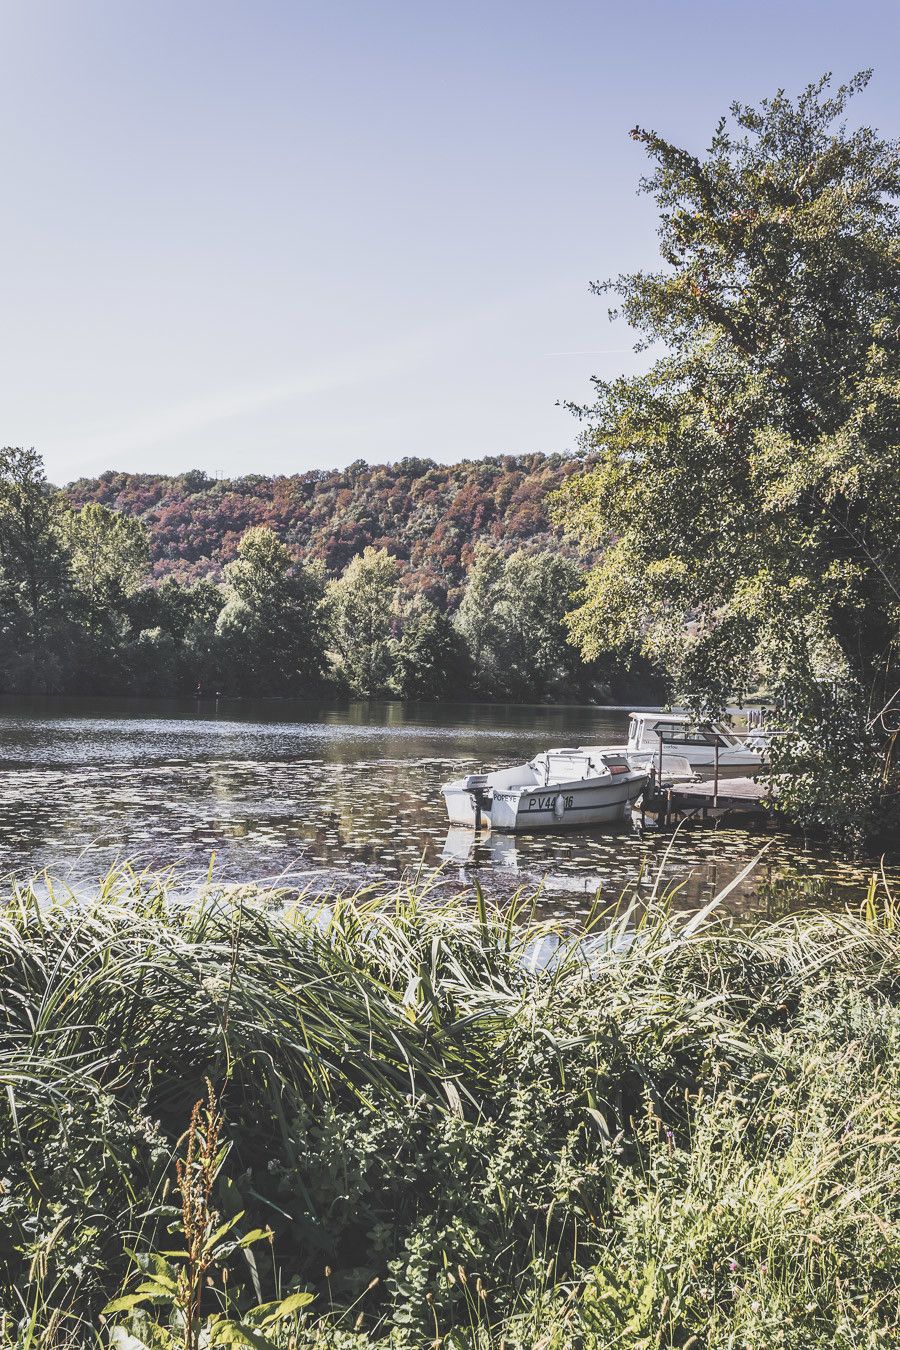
(338, 796)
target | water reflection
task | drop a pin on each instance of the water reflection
(575, 871)
(346, 793)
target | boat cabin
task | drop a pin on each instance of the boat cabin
(677, 731)
(573, 765)
(700, 742)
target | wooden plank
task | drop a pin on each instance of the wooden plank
(734, 794)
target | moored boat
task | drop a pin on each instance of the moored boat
(564, 787)
(699, 742)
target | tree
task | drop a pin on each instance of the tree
(512, 619)
(175, 647)
(745, 488)
(539, 658)
(362, 606)
(430, 659)
(109, 558)
(481, 622)
(34, 575)
(182, 609)
(271, 630)
(153, 660)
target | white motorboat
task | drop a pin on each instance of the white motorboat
(582, 786)
(700, 743)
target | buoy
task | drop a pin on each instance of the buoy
(559, 807)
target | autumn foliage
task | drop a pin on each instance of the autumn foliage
(428, 516)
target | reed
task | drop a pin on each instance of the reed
(433, 1120)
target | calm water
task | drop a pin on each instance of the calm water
(343, 795)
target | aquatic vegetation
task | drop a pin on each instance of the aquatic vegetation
(351, 799)
(402, 1119)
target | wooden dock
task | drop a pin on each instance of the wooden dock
(707, 800)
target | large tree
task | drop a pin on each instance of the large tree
(34, 576)
(430, 660)
(362, 606)
(109, 558)
(271, 629)
(745, 489)
(175, 646)
(512, 620)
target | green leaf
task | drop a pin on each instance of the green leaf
(289, 1307)
(221, 1231)
(227, 1332)
(601, 1121)
(126, 1303)
(158, 1286)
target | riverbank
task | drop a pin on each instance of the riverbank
(446, 1123)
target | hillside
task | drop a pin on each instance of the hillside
(428, 515)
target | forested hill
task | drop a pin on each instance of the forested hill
(428, 515)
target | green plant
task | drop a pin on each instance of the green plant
(209, 1243)
(591, 1120)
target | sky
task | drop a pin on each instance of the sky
(250, 236)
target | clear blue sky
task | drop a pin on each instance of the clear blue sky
(264, 237)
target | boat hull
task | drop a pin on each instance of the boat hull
(602, 801)
(704, 756)
(564, 805)
(461, 808)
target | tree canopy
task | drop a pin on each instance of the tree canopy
(745, 488)
(271, 626)
(362, 603)
(108, 555)
(429, 516)
(512, 619)
(81, 611)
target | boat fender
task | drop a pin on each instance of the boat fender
(559, 806)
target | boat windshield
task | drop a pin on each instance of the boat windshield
(678, 731)
(560, 766)
(682, 733)
(726, 735)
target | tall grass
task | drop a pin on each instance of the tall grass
(446, 1122)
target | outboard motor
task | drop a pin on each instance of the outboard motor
(477, 784)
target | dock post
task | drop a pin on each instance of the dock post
(716, 779)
